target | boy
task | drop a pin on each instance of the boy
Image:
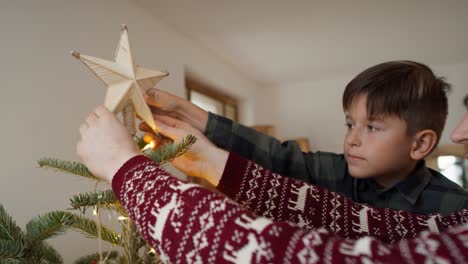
(395, 114)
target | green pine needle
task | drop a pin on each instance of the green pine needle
(105, 199)
(170, 151)
(8, 228)
(95, 257)
(139, 141)
(88, 227)
(48, 225)
(11, 250)
(51, 255)
(72, 167)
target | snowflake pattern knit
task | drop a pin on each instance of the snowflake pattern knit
(280, 220)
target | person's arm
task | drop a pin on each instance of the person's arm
(284, 158)
(186, 223)
(283, 199)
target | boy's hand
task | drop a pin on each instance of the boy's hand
(105, 144)
(164, 103)
(203, 159)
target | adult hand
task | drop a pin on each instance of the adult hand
(105, 144)
(163, 103)
(203, 159)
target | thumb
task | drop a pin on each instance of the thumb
(152, 97)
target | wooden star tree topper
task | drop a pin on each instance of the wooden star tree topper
(126, 82)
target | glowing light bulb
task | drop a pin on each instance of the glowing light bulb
(150, 145)
(148, 137)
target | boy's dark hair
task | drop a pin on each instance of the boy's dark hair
(407, 89)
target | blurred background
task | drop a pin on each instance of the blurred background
(280, 66)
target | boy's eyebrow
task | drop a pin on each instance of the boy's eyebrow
(378, 119)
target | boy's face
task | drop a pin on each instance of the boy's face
(460, 134)
(378, 149)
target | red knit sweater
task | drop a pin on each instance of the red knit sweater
(186, 223)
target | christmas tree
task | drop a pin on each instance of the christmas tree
(135, 249)
(29, 246)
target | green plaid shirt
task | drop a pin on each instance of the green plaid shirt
(424, 192)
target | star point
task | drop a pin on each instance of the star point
(126, 82)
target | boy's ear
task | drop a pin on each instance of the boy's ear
(424, 142)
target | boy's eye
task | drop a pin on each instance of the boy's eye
(348, 125)
(372, 128)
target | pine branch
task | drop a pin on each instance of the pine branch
(161, 155)
(171, 150)
(51, 255)
(105, 199)
(95, 257)
(88, 227)
(139, 141)
(71, 167)
(131, 241)
(48, 225)
(11, 250)
(35, 253)
(8, 228)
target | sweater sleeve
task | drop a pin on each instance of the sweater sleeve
(284, 199)
(186, 223)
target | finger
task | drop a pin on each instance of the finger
(161, 140)
(101, 111)
(157, 110)
(92, 119)
(143, 126)
(170, 132)
(171, 121)
(152, 96)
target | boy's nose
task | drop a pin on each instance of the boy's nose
(353, 138)
(460, 134)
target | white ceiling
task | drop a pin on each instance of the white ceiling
(274, 42)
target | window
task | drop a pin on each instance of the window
(449, 160)
(210, 99)
(452, 168)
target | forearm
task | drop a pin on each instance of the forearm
(192, 114)
(284, 199)
(186, 223)
(284, 158)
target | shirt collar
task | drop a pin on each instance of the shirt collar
(411, 187)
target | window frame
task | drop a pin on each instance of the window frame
(192, 84)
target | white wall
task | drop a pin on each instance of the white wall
(46, 93)
(313, 108)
